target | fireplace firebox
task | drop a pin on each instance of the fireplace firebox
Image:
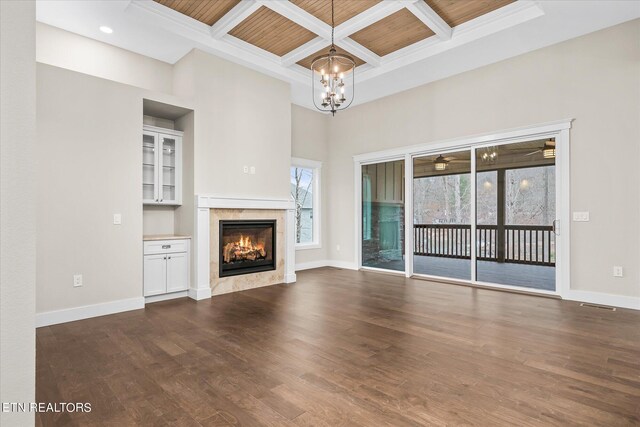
(247, 246)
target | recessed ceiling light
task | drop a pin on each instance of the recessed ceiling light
(105, 29)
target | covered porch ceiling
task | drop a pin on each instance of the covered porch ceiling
(511, 156)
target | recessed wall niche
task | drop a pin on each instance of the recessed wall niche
(169, 219)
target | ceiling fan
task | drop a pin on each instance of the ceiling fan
(548, 150)
(441, 162)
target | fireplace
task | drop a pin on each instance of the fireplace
(247, 246)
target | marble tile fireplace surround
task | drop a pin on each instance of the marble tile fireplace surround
(210, 211)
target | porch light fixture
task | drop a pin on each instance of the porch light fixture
(549, 151)
(331, 70)
(440, 163)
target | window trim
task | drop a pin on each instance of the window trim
(316, 168)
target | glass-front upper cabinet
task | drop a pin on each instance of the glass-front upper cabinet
(161, 166)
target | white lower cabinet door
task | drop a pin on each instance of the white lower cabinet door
(155, 275)
(177, 272)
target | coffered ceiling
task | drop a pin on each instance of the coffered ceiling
(207, 12)
(297, 30)
(397, 44)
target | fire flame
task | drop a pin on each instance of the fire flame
(246, 243)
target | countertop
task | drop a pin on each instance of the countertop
(150, 237)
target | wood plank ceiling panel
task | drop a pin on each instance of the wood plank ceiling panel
(456, 12)
(394, 32)
(306, 62)
(343, 10)
(272, 32)
(208, 12)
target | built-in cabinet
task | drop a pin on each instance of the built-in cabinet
(166, 266)
(161, 166)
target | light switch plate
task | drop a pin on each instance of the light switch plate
(117, 219)
(581, 216)
(252, 170)
(618, 271)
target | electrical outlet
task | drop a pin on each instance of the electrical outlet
(245, 169)
(581, 216)
(77, 280)
(252, 170)
(117, 219)
(618, 271)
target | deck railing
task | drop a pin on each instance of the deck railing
(522, 244)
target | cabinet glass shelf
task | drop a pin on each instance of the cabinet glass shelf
(161, 166)
(164, 166)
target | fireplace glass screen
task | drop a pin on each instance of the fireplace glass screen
(247, 246)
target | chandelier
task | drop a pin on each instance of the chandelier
(331, 71)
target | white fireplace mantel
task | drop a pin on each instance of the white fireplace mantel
(201, 287)
(210, 202)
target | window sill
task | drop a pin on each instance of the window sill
(305, 246)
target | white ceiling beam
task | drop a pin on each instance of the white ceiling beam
(309, 48)
(254, 55)
(508, 16)
(299, 16)
(368, 17)
(360, 51)
(431, 19)
(231, 19)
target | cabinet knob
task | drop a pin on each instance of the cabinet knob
(169, 257)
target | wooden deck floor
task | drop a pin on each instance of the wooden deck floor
(347, 348)
(528, 276)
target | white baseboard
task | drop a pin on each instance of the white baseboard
(603, 299)
(312, 264)
(199, 293)
(165, 297)
(347, 265)
(326, 263)
(290, 278)
(87, 311)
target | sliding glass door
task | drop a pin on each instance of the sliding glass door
(487, 214)
(515, 215)
(383, 212)
(442, 215)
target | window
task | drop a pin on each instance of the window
(305, 191)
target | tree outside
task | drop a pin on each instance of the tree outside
(530, 197)
(302, 193)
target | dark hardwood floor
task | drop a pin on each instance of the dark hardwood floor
(346, 348)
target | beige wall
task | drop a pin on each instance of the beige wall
(594, 79)
(61, 48)
(184, 218)
(242, 118)
(88, 155)
(309, 140)
(17, 207)
(89, 158)
(158, 220)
